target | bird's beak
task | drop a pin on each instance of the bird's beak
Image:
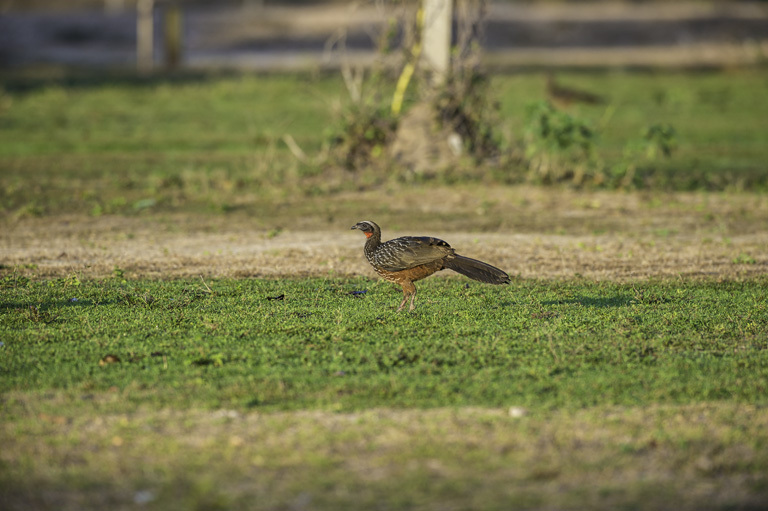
(354, 227)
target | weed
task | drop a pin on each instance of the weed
(744, 259)
(657, 140)
(35, 315)
(135, 298)
(558, 146)
(13, 281)
(660, 138)
(31, 209)
(466, 107)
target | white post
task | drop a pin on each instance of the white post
(436, 40)
(145, 28)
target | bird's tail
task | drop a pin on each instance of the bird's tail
(477, 270)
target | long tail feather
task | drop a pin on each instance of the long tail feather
(477, 270)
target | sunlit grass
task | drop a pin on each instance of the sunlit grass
(99, 146)
(337, 344)
(191, 394)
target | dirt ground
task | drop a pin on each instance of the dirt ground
(529, 232)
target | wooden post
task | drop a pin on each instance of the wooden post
(436, 53)
(173, 35)
(145, 26)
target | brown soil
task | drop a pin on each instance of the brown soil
(530, 232)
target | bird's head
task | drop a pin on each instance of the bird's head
(369, 228)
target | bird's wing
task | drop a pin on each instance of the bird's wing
(409, 251)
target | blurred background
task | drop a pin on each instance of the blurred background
(259, 34)
(136, 106)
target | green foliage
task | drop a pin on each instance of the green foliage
(744, 259)
(363, 133)
(13, 281)
(657, 140)
(467, 107)
(660, 138)
(558, 146)
(704, 155)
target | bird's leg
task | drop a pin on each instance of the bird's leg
(402, 304)
(413, 299)
(409, 290)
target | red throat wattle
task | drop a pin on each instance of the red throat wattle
(368, 234)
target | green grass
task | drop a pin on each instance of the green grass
(644, 395)
(635, 396)
(539, 345)
(702, 457)
(103, 145)
(717, 117)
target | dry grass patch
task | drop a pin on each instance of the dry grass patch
(703, 456)
(532, 233)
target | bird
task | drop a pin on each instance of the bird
(410, 258)
(564, 96)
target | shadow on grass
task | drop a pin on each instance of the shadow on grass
(52, 305)
(590, 301)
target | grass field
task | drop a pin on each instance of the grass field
(188, 323)
(528, 388)
(101, 146)
(561, 345)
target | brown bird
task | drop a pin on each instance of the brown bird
(411, 258)
(565, 96)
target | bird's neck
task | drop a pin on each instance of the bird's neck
(374, 240)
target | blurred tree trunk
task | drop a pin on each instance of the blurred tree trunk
(436, 53)
(454, 117)
(145, 35)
